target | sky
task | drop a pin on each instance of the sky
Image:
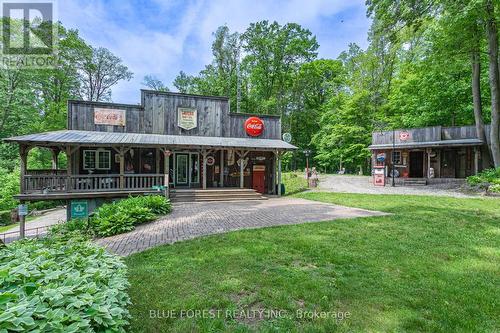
(163, 37)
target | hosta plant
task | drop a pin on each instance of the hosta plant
(62, 285)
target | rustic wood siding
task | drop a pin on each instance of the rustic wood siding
(427, 134)
(158, 115)
(272, 126)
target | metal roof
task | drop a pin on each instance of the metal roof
(430, 144)
(93, 138)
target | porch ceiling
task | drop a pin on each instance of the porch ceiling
(431, 144)
(92, 138)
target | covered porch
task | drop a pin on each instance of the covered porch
(101, 164)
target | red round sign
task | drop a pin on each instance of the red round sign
(254, 126)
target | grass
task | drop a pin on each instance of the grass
(432, 266)
(294, 182)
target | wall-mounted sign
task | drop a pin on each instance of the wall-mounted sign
(187, 118)
(381, 157)
(112, 117)
(254, 126)
(403, 136)
(210, 160)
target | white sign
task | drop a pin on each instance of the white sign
(22, 210)
(287, 137)
(187, 118)
(112, 117)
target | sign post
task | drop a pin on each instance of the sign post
(79, 209)
(22, 212)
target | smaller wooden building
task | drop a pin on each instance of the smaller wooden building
(436, 154)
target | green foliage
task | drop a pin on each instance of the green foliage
(10, 187)
(5, 217)
(489, 176)
(294, 182)
(122, 216)
(62, 285)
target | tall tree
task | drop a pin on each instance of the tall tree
(492, 34)
(99, 71)
(152, 82)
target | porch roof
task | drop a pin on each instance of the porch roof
(430, 144)
(93, 138)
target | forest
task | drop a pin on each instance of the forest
(428, 62)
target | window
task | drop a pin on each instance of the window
(89, 158)
(96, 159)
(103, 159)
(396, 157)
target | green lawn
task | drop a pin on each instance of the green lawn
(433, 266)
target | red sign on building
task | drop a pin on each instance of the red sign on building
(254, 126)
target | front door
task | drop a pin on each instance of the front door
(416, 164)
(448, 162)
(259, 178)
(182, 169)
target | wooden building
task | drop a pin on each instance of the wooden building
(186, 141)
(431, 154)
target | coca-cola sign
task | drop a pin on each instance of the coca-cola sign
(254, 126)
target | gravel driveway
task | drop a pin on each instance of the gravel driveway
(361, 184)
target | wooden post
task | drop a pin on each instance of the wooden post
(275, 165)
(166, 172)
(55, 155)
(279, 174)
(242, 170)
(157, 160)
(476, 160)
(69, 168)
(23, 153)
(429, 150)
(22, 224)
(221, 168)
(204, 155)
(121, 155)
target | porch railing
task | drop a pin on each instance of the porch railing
(90, 183)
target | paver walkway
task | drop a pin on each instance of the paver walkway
(191, 220)
(36, 227)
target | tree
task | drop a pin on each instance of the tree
(154, 83)
(494, 75)
(99, 71)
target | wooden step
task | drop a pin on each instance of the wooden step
(414, 182)
(229, 194)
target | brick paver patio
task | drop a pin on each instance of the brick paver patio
(191, 220)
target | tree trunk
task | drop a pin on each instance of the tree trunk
(476, 95)
(494, 82)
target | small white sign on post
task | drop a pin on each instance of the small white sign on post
(22, 210)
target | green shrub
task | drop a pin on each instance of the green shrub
(293, 183)
(495, 188)
(81, 225)
(491, 176)
(5, 217)
(62, 285)
(121, 216)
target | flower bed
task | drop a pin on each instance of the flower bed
(62, 284)
(119, 217)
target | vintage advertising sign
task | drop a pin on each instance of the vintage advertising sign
(79, 209)
(187, 118)
(114, 117)
(254, 126)
(210, 160)
(403, 136)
